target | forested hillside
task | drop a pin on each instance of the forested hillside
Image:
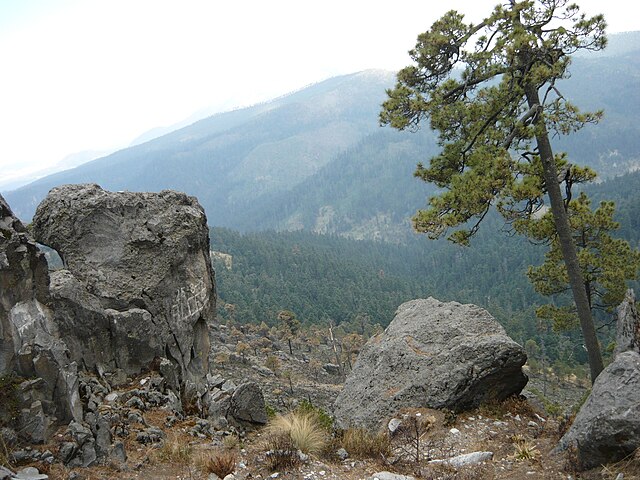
(317, 160)
(326, 278)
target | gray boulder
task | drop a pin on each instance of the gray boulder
(137, 281)
(30, 344)
(607, 427)
(628, 325)
(247, 404)
(433, 354)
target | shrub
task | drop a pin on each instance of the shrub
(524, 449)
(281, 453)
(306, 434)
(220, 462)
(175, 450)
(361, 443)
(305, 407)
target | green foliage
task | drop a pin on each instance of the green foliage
(607, 263)
(471, 82)
(305, 407)
(490, 92)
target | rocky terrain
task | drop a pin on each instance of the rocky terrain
(114, 367)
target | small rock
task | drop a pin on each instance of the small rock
(532, 424)
(342, 454)
(517, 418)
(30, 473)
(465, 459)
(112, 397)
(390, 476)
(394, 423)
(5, 473)
(454, 431)
(540, 418)
(231, 476)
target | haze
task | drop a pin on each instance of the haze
(94, 75)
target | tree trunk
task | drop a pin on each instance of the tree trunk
(565, 238)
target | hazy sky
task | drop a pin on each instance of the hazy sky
(94, 74)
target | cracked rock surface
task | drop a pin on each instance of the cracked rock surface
(137, 282)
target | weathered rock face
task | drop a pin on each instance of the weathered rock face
(137, 282)
(433, 354)
(29, 342)
(607, 427)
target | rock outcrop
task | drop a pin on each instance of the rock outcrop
(607, 427)
(137, 282)
(433, 354)
(30, 346)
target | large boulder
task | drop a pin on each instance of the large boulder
(607, 427)
(30, 346)
(433, 354)
(137, 282)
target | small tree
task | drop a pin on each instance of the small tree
(289, 325)
(242, 348)
(351, 344)
(490, 91)
(607, 263)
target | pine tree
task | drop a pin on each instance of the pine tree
(490, 92)
(607, 263)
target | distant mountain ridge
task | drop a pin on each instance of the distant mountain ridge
(317, 160)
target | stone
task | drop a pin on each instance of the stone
(102, 435)
(465, 459)
(393, 425)
(628, 325)
(390, 476)
(67, 451)
(31, 346)
(30, 473)
(88, 455)
(607, 426)
(5, 473)
(247, 404)
(80, 433)
(342, 454)
(435, 355)
(137, 283)
(118, 453)
(36, 426)
(169, 372)
(331, 368)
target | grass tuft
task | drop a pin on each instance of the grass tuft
(175, 450)
(220, 462)
(303, 429)
(361, 443)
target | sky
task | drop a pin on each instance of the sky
(92, 75)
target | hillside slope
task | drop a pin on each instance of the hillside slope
(317, 159)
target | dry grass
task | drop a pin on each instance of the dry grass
(515, 405)
(220, 462)
(281, 454)
(175, 450)
(361, 443)
(231, 442)
(524, 449)
(306, 434)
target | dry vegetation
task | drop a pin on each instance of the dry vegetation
(300, 440)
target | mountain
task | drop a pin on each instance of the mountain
(230, 159)
(317, 160)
